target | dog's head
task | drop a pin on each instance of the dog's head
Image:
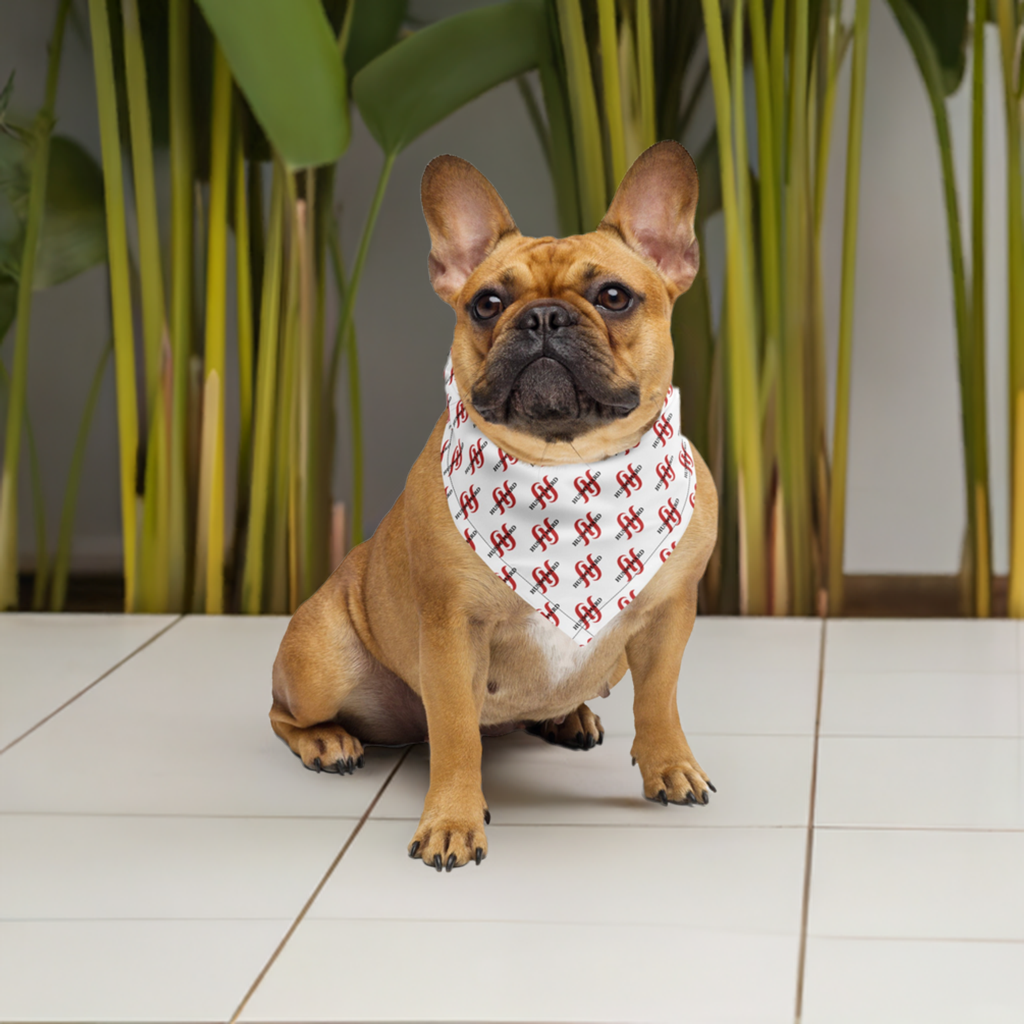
(562, 347)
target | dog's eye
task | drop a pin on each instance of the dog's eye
(614, 297)
(487, 307)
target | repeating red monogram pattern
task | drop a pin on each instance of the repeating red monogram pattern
(579, 542)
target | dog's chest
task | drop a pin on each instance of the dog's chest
(538, 672)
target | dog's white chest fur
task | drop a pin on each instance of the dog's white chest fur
(563, 657)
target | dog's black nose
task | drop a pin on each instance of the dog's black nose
(546, 318)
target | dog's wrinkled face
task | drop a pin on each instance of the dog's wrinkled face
(562, 347)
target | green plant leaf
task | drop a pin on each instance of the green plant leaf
(946, 25)
(74, 232)
(924, 48)
(375, 27)
(8, 305)
(424, 78)
(73, 235)
(285, 60)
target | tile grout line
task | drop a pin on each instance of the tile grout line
(809, 855)
(99, 679)
(316, 892)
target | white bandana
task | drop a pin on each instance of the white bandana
(578, 542)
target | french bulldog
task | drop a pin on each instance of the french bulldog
(562, 357)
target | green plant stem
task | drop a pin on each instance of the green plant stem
(611, 90)
(1008, 34)
(182, 198)
(155, 557)
(254, 574)
(645, 68)
(742, 349)
(209, 595)
(345, 338)
(978, 493)
(246, 352)
(19, 367)
(120, 290)
(841, 428)
(62, 558)
(586, 126)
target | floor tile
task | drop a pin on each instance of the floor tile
(922, 782)
(473, 971)
(182, 728)
(917, 884)
(67, 867)
(47, 659)
(920, 645)
(921, 704)
(741, 880)
(761, 781)
(130, 970)
(851, 981)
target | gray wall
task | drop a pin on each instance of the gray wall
(906, 491)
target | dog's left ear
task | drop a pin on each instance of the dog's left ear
(653, 211)
(466, 218)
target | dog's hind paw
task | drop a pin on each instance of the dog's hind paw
(327, 748)
(579, 730)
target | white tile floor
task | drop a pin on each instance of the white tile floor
(163, 857)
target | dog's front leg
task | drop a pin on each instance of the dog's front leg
(670, 771)
(454, 658)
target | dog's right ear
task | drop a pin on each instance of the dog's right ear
(466, 218)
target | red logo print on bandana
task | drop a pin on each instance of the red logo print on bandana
(588, 613)
(457, 457)
(469, 502)
(630, 565)
(588, 571)
(630, 522)
(549, 613)
(476, 456)
(629, 480)
(587, 487)
(666, 474)
(663, 430)
(685, 458)
(505, 460)
(461, 416)
(670, 516)
(504, 499)
(588, 529)
(545, 576)
(447, 444)
(626, 599)
(545, 533)
(506, 576)
(468, 534)
(665, 552)
(503, 540)
(544, 492)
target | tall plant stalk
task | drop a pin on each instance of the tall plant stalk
(41, 132)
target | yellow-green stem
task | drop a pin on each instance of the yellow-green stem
(611, 90)
(841, 429)
(120, 289)
(210, 551)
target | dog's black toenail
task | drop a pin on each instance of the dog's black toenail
(663, 797)
(414, 848)
(712, 788)
(317, 766)
(487, 817)
(600, 739)
(451, 862)
(437, 862)
(350, 764)
(633, 759)
(705, 797)
(360, 762)
(340, 766)
(690, 800)
(479, 855)
(579, 739)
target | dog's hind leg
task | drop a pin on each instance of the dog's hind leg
(331, 695)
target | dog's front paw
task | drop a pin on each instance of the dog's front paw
(579, 730)
(674, 778)
(447, 839)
